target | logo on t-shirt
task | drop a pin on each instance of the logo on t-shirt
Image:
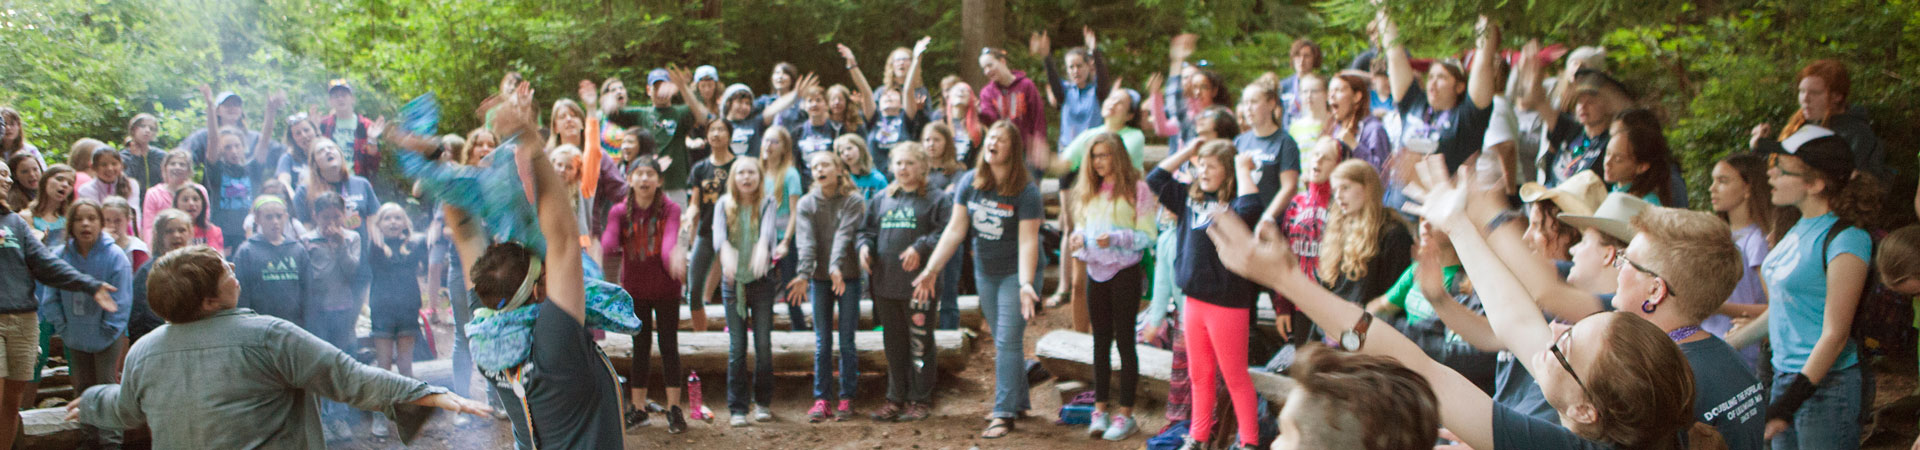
(899, 218)
(989, 218)
(7, 238)
(1200, 214)
(284, 269)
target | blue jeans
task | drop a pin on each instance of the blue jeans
(820, 292)
(1828, 420)
(1000, 305)
(949, 295)
(759, 298)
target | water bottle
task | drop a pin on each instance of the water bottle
(698, 409)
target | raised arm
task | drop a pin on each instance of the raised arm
(275, 101)
(859, 80)
(564, 273)
(1481, 83)
(684, 79)
(1516, 320)
(1041, 46)
(1099, 60)
(909, 93)
(787, 100)
(1399, 69)
(1266, 259)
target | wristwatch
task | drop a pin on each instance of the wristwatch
(1352, 339)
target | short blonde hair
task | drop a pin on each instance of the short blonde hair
(1695, 247)
(183, 280)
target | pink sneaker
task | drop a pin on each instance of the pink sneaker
(819, 412)
(845, 411)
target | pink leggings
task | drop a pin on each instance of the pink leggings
(1217, 343)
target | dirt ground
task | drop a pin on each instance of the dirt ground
(961, 402)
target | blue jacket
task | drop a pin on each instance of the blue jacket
(81, 323)
(24, 261)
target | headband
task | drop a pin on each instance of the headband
(526, 285)
(268, 200)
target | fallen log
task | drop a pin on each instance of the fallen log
(1069, 354)
(717, 315)
(792, 351)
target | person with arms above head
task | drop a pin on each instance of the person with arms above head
(1596, 373)
(893, 116)
(1814, 278)
(1084, 87)
(25, 262)
(1450, 113)
(1576, 141)
(223, 110)
(670, 124)
(275, 373)
(532, 339)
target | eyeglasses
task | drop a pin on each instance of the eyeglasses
(1643, 269)
(1773, 162)
(1562, 356)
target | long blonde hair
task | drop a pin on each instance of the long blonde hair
(1352, 238)
(863, 163)
(565, 105)
(736, 199)
(1125, 175)
(774, 164)
(1223, 152)
(380, 237)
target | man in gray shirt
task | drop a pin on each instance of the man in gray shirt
(218, 376)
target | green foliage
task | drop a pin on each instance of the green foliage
(80, 68)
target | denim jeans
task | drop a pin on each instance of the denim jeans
(785, 269)
(820, 292)
(759, 302)
(949, 295)
(463, 368)
(700, 261)
(1828, 420)
(1000, 305)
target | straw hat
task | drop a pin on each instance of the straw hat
(1575, 195)
(1614, 217)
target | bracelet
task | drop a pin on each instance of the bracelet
(437, 151)
(1500, 220)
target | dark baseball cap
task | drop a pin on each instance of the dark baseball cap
(1820, 149)
(656, 76)
(1589, 81)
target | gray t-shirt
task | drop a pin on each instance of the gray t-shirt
(995, 223)
(1726, 394)
(570, 388)
(1514, 388)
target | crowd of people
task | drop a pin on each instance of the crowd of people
(1463, 250)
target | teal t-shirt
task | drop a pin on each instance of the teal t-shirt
(1651, 197)
(1796, 278)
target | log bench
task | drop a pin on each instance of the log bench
(792, 351)
(1069, 354)
(717, 315)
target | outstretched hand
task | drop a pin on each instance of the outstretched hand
(1183, 46)
(1086, 31)
(455, 403)
(847, 54)
(104, 297)
(1454, 201)
(1265, 258)
(797, 290)
(1039, 44)
(589, 93)
(921, 46)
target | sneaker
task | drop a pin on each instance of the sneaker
(844, 412)
(636, 418)
(819, 412)
(676, 421)
(738, 420)
(379, 428)
(889, 413)
(762, 414)
(1097, 425)
(1122, 428)
(915, 412)
(1192, 444)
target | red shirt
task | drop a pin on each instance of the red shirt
(1305, 222)
(643, 263)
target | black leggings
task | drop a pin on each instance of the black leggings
(1112, 305)
(662, 317)
(907, 336)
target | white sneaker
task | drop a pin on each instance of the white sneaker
(761, 414)
(1097, 425)
(737, 421)
(379, 428)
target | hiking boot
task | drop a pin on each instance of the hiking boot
(844, 412)
(637, 418)
(762, 414)
(1122, 428)
(889, 413)
(1097, 426)
(676, 421)
(915, 412)
(819, 412)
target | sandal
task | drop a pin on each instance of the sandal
(997, 428)
(1055, 300)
